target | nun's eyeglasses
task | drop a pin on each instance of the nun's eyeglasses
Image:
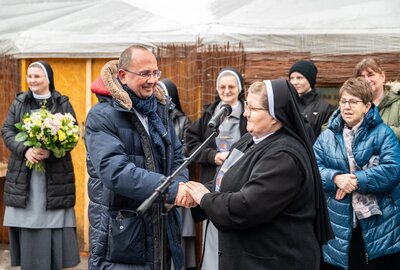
(248, 109)
(156, 74)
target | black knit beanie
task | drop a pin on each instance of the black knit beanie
(307, 69)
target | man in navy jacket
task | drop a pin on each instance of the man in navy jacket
(131, 147)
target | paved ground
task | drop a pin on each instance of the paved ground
(5, 261)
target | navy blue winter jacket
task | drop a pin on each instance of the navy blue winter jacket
(124, 170)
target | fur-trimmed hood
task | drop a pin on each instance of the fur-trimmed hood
(393, 87)
(108, 76)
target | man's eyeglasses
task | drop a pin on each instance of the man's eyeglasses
(147, 75)
(249, 109)
(351, 102)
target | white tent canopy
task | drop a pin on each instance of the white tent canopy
(103, 28)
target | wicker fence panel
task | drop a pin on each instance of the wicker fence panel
(194, 70)
(270, 65)
(9, 86)
(333, 70)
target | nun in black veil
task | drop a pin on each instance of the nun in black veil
(39, 206)
(266, 200)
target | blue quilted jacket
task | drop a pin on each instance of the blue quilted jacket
(381, 233)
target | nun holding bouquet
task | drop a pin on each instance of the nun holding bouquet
(39, 190)
(57, 133)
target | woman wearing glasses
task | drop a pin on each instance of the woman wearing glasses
(270, 209)
(230, 90)
(358, 158)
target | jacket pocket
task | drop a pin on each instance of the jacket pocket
(127, 238)
(255, 262)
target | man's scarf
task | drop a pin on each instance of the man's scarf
(148, 107)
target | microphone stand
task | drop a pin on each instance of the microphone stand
(161, 190)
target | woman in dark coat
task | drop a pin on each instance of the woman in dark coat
(39, 206)
(181, 124)
(270, 209)
(303, 76)
(180, 119)
(230, 89)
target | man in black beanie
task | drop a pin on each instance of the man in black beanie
(316, 111)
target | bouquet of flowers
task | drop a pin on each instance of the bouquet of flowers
(57, 133)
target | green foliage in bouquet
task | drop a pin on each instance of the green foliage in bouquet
(57, 133)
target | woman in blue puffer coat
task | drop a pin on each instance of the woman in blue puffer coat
(358, 157)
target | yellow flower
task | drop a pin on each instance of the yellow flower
(61, 135)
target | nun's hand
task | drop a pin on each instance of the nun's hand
(196, 190)
(32, 156)
(183, 198)
(220, 158)
(42, 153)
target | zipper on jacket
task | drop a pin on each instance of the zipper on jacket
(364, 247)
(391, 198)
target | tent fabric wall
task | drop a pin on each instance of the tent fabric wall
(103, 28)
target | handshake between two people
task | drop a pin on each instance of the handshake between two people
(190, 194)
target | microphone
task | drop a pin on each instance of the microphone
(219, 117)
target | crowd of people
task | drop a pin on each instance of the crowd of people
(289, 181)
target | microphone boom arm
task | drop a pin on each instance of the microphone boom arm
(160, 191)
(167, 180)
